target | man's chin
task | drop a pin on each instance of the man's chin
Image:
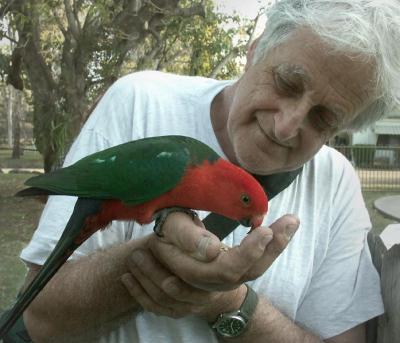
(256, 168)
(256, 161)
(265, 169)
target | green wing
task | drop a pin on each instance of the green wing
(133, 172)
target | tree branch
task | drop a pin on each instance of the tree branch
(5, 8)
(4, 35)
(76, 6)
(59, 23)
(150, 56)
(233, 53)
(72, 20)
(89, 23)
(14, 73)
(29, 32)
(198, 9)
(135, 6)
(252, 29)
(172, 59)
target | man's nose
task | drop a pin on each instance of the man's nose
(289, 119)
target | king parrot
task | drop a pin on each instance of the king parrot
(133, 181)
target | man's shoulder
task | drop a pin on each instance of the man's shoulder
(329, 168)
(159, 80)
(328, 157)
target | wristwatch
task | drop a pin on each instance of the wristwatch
(233, 324)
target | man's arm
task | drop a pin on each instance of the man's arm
(268, 325)
(224, 274)
(85, 296)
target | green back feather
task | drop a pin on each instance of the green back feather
(133, 172)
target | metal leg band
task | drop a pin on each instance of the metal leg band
(161, 217)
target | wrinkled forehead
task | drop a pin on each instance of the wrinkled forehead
(352, 58)
(322, 61)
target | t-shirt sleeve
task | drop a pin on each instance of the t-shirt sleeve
(345, 289)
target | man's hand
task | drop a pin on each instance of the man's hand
(189, 271)
(158, 291)
(197, 256)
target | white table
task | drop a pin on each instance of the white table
(389, 206)
(391, 235)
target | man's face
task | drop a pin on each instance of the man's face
(288, 104)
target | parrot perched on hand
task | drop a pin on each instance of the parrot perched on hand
(134, 181)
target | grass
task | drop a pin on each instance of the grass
(30, 159)
(19, 217)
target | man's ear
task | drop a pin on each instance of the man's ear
(250, 53)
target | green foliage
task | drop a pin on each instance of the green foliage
(196, 46)
(4, 64)
(72, 53)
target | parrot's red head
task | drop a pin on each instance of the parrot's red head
(226, 189)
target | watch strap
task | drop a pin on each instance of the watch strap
(245, 312)
(249, 303)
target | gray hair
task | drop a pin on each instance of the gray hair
(368, 28)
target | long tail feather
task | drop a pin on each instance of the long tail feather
(32, 191)
(69, 241)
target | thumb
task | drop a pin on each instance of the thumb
(190, 236)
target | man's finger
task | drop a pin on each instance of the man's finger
(283, 230)
(150, 274)
(224, 272)
(190, 236)
(183, 292)
(142, 297)
(160, 283)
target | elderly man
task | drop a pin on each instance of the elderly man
(319, 67)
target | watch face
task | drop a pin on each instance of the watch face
(231, 326)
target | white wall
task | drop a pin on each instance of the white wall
(366, 136)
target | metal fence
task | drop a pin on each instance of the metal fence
(378, 167)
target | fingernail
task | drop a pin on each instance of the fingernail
(290, 230)
(126, 280)
(137, 257)
(266, 239)
(201, 251)
(170, 287)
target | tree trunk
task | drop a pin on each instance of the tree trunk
(17, 115)
(62, 86)
(10, 91)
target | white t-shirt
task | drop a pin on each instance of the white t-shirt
(324, 280)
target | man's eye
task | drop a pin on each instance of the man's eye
(287, 87)
(323, 120)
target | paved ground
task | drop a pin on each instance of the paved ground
(21, 170)
(379, 179)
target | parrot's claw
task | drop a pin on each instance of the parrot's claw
(161, 217)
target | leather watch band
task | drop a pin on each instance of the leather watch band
(233, 324)
(249, 303)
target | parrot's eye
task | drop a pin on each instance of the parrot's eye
(246, 200)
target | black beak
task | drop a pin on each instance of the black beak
(246, 222)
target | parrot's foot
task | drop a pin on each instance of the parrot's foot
(161, 217)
